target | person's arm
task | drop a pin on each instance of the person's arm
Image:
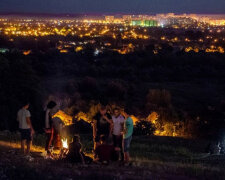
(126, 126)
(108, 118)
(47, 119)
(122, 124)
(30, 124)
(111, 127)
(94, 128)
(29, 121)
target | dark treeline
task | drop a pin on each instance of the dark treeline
(181, 87)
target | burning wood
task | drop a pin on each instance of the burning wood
(65, 148)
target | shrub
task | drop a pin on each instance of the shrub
(144, 127)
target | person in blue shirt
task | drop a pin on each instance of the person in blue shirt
(127, 136)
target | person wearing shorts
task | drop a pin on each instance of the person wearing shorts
(127, 137)
(25, 127)
(127, 142)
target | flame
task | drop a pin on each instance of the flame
(64, 143)
(67, 119)
(135, 119)
(26, 52)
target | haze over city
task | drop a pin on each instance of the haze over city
(115, 6)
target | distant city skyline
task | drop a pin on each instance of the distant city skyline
(115, 6)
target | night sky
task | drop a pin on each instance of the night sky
(113, 6)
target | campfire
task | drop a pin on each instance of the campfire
(64, 143)
(65, 148)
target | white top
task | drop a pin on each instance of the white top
(49, 112)
(118, 124)
(47, 123)
(22, 116)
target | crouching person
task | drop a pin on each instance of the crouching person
(105, 152)
(75, 154)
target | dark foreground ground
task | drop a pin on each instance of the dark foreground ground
(152, 159)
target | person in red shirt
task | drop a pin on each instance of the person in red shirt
(105, 152)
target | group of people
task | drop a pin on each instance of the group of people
(112, 134)
(53, 126)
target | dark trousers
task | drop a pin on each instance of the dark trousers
(118, 142)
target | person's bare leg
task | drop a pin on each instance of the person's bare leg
(28, 146)
(126, 157)
(23, 146)
(96, 144)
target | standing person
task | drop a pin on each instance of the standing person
(118, 124)
(49, 130)
(127, 137)
(25, 126)
(102, 125)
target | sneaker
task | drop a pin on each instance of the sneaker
(29, 158)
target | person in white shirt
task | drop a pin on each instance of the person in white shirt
(25, 126)
(49, 130)
(118, 124)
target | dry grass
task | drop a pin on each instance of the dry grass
(160, 155)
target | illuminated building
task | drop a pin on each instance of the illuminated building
(144, 23)
(127, 17)
(109, 19)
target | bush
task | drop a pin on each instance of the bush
(144, 127)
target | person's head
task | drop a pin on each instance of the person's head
(51, 105)
(103, 110)
(25, 104)
(103, 139)
(126, 113)
(116, 112)
(76, 138)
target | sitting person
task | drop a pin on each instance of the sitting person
(105, 152)
(75, 154)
